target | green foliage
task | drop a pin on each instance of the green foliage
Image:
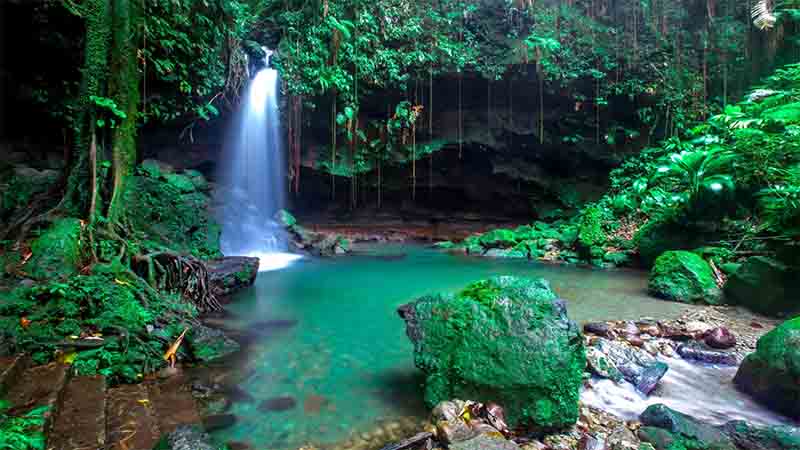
(112, 304)
(22, 432)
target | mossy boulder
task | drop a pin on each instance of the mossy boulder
(56, 253)
(209, 344)
(764, 285)
(506, 340)
(771, 373)
(499, 238)
(590, 234)
(659, 236)
(683, 276)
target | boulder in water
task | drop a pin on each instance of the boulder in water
(771, 373)
(668, 429)
(231, 274)
(684, 277)
(506, 340)
(763, 285)
(616, 360)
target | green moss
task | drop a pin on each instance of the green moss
(109, 303)
(57, 252)
(770, 374)
(684, 277)
(506, 340)
(764, 285)
(500, 238)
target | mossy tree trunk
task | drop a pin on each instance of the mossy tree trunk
(124, 89)
(97, 14)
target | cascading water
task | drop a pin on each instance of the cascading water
(254, 178)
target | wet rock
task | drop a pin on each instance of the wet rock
(598, 328)
(209, 344)
(216, 422)
(771, 373)
(236, 445)
(720, 338)
(599, 364)
(231, 274)
(450, 426)
(277, 404)
(485, 441)
(237, 394)
(505, 339)
(650, 377)
(683, 276)
(589, 442)
(684, 426)
(695, 352)
(749, 437)
(635, 366)
(763, 285)
(186, 437)
(622, 439)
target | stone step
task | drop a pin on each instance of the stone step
(80, 422)
(131, 422)
(173, 402)
(11, 369)
(38, 386)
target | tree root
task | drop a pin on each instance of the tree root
(185, 274)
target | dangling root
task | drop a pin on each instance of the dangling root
(184, 274)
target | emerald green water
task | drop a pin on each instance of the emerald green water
(347, 362)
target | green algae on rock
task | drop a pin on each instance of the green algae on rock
(56, 253)
(770, 374)
(763, 285)
(506, 340)
(684, 277)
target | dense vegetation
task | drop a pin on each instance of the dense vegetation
(105, 263)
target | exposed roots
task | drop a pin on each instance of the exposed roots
(177, 273)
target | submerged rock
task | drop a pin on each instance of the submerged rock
(277, 404)
(186, 437)
(771, 373)
(684, 277)
(506, 340)
(209, 344)
(765, 286)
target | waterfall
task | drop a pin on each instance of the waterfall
(254, 180)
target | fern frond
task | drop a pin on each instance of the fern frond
(763, 15)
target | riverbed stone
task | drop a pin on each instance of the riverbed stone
(617, 360)
(697, 352)
(683, 276)
(771, 373)
(485, 441)
(720, 338)
(764, 285)
(506, 340)
(684, 426)
(209, 344)
(186, 437)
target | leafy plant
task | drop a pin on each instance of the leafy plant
(22, 432)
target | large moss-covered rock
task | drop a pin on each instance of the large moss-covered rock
(683, 276)
(764, 285)
(659, 236)
(500, 238)
(56, 253)
(506, 340)
(209, 344)
(771, 374)
(231, 274)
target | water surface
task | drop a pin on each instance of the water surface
(333, 342)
